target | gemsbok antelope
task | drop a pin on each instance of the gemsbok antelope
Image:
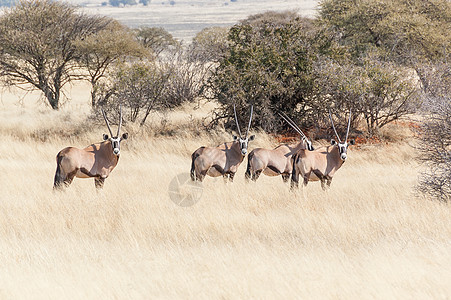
(221, 160)
(277, 161)
(95, 161)
(322, 163)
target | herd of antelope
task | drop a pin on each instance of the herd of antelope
(98, 160)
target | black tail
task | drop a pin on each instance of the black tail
(248, 169)
(294, 175)
(193, 158)
(59, 178)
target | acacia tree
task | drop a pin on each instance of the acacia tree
(267, 63)
(156, 39)
(37, 44)
(188, 71)
(210, 44)
(377, 91)
(140, 87)
(413, 33)
(98, 52)
(435, 147)
(435, 134)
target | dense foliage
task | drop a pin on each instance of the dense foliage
(37, 45)
(268, 64)
(412, 33)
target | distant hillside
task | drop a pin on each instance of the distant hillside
(184, 18)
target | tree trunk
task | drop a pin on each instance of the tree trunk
(93, 94)
(53, 102)
(51, 96)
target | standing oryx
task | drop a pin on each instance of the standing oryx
(221, 160)
(321, 164)
(277, 161)
(96, 160)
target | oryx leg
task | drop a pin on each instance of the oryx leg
(322, 178)
(304, 190)
(323, 184)
(248, 174)
(295, 179)
(200, 175)
(59, 182)
(228, 177)
(329, 181)
(225, 176)
(99, 181)
(231, 175)
(306, 177)
(69, 178)
(256, 174)
(62, 179)
(285, 177)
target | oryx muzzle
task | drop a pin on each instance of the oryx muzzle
(223, 159)
(95, 161)
(322, 163)
(277, 161)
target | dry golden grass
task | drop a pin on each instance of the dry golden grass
(368, 237)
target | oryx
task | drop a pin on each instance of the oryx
(223, 159)
(277, 161)
(322, 163)
(96, 160)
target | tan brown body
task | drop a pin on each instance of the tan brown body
(95, 161)
(323, 163)
(216, 161)
(223, 159)
(320, 164)
(273, 162)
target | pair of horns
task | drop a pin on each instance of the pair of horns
(347, 130)
(293, 124)
(108, 124)
(238, 125)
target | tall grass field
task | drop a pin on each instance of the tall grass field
(369, 237)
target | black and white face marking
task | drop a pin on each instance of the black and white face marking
(244, 143)
(343, 148)
(308, 143)
(116, 142)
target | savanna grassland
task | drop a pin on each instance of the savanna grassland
(368, 237)
(186, 18)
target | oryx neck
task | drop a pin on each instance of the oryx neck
(300, 145)
(335, 152)
(106, 147)
(237, 148)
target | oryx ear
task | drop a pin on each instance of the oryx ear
(125, 136)
(105, 137)
(235, 137)
(352, 142)
(333, 142)
(252, 137)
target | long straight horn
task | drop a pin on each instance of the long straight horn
(333, 126)
(349, 124)
(236, 120)
(296, 126)
(292, 124)
(107, 124)
(250, 121)
(120, 121)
